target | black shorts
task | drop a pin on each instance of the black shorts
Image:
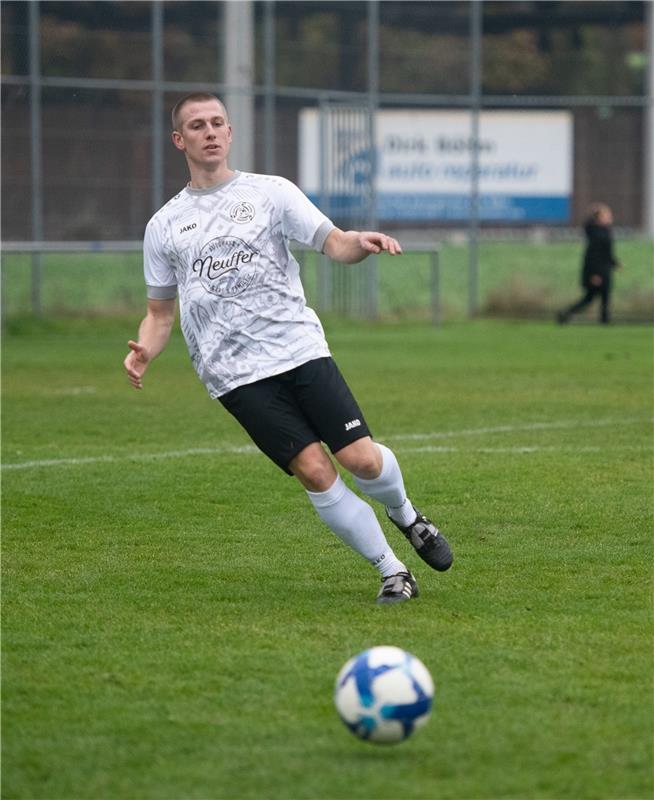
(287, 412)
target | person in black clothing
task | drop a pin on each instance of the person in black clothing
(598, 265)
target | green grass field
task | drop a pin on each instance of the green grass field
(516, 279)
(175, 614)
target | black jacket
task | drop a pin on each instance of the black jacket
(598, 256)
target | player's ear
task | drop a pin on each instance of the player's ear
(178, 140)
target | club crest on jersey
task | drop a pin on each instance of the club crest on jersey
(242, 212)
(226, 266)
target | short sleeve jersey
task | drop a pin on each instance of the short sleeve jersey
(225, 252)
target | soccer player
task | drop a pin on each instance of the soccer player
(222, 246)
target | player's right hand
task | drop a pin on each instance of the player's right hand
(135, 363)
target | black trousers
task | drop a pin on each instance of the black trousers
(603, 292)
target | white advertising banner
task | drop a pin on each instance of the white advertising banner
(423, 164)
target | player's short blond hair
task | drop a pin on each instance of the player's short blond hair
(195, 97)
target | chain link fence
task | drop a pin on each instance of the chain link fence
(87, 87)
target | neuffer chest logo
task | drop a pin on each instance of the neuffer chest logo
(226, 266)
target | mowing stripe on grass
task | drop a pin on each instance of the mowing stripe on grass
(249, 449)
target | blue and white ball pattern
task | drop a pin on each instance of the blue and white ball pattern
(384, 694)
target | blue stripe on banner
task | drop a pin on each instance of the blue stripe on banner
(450, 207)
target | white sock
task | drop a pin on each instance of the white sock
(388, 489)
(355, 523)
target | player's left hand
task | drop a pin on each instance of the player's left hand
(375, 242)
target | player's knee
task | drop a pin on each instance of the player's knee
(367, 468)
(362, 459)
(313, 468)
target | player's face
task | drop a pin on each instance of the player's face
(204, 134)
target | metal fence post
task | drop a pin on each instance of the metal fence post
(325, 297)
(156, 19)
(239, 76)
(649, 128)
(372, 290)
(36, 149)
(434, 262)
(476, 10)
(269, 103)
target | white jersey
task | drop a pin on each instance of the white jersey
(225, 252)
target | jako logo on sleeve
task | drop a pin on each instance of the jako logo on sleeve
(353, 424)
(187, 228)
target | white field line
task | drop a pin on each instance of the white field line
(529, 426)
(247, 449)
(526, 449)
(250, 449)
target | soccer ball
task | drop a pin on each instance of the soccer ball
(384, 694)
